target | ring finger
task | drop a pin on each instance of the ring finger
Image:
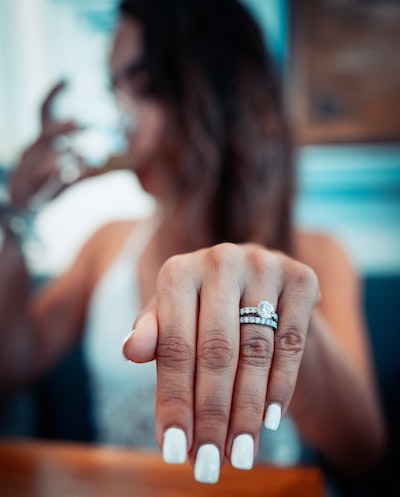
(255, 357)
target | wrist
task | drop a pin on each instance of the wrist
(15, 222)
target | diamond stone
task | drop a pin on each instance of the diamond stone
(265, 309)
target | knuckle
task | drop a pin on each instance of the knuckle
(214, 411)
(216, 354)
(256, 351)
(264, 265)
(223, 257)
(291, 341)
(171, 271)
(251, 404)
(173, 398)
(305, 277)
(259, 259)
(172, 352)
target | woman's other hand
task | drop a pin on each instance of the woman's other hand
(40, 173)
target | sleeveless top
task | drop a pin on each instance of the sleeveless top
(123, 393)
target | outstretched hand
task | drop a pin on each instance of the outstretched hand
(217, 379)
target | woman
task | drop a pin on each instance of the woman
(212, 146)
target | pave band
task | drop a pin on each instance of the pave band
(257, 320)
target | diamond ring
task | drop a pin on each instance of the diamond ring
(263, 314)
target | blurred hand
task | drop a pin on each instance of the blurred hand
(218, 379)
(42, 172)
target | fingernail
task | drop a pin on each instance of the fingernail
(127, 337)
(273, 416)
(206, 467)
(242, 455)
(174, 446)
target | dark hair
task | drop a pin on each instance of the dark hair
(206, 59)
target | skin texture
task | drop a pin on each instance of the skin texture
(215, 377)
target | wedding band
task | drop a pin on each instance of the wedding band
(264, 310)
(257, 320)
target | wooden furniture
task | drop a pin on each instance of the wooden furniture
(343, 82)
(50, 469)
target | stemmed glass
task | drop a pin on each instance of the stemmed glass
(96, 146)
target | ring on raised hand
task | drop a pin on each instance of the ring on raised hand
(263, 314)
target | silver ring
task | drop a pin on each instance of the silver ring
(257, 320)
(263, 310)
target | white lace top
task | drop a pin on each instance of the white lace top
(123, 393)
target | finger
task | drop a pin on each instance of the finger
(177, 298)
(299, 295)
(217, 356)
(87, 172)
(45, 111)
(256, 351)
(141, 343)
(56, 129)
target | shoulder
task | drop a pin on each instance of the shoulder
(64, 299)
(109, 234)
(105, 243)
(340, 284)
(325, 254)
(311, 246)
(339, 280)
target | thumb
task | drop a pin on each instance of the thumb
(140, 345)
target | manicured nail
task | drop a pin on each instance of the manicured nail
(174, 446)
(273, 416)
(242, 455)
(206, 467)
(127, 337)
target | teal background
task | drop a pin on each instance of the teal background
(350, 191)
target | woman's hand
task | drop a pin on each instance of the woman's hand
(217, 379)
(42, 171)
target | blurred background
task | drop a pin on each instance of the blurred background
(343, 82)
(341, 71)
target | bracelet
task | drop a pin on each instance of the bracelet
(16, 222)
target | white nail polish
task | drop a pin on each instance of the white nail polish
(174, 446)
(273, 416)
(242, 455)
(206, 467)
(127, 337)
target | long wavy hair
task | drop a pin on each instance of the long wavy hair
(207, 61)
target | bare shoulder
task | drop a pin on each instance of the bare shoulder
(64, 299)
(104, 244)
(113, 230)
(323, 253)
(340, 287)
(340, 284)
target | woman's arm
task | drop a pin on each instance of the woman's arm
(15, 339)
(37, 328)
(336, 404)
